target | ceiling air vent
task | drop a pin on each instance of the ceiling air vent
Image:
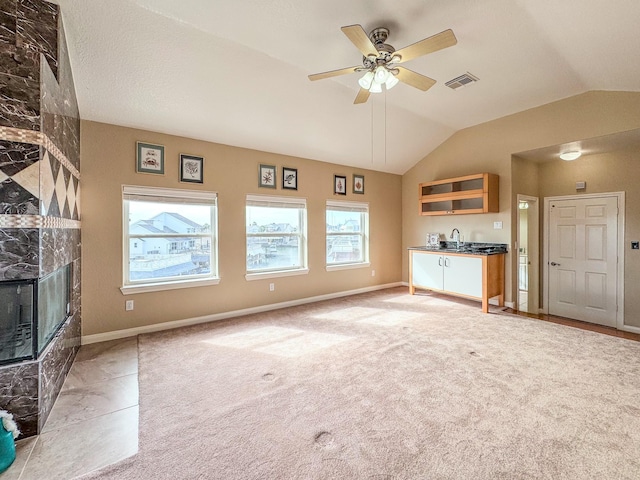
(461, 81)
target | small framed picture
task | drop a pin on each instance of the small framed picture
(339, 185)
(191, 168)
(358, 184)
(290, 178)
(150, 158)
(267, 176)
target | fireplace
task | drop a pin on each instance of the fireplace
(40, 240)
(31, 313)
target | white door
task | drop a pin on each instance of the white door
(426, 270)
(583, 259)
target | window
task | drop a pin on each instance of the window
(347, 234)
(276, 236)
(169, 238)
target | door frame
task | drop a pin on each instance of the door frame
(620, 270)
(534, 268)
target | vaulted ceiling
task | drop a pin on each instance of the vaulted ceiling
(235, 72)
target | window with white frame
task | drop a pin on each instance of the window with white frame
(347, 234)
(169, 238)
(276, 235)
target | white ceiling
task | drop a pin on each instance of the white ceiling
(235, 72)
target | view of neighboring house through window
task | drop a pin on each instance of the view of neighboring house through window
(347, 233)
(276, 234)
(170, 235)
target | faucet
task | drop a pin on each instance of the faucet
(455, 236)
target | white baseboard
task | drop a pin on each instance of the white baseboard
(132, 332)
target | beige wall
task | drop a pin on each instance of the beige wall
(489, 147)
(108, 162)
(617, 171)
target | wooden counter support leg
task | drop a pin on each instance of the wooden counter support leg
(412, 289)
(492, 280)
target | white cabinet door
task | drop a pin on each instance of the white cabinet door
(427, 270)
(463, 275)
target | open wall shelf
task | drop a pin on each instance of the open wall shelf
(461, 195)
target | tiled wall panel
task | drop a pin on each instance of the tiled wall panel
(19, 395)
(39, 189)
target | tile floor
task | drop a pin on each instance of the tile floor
(94, 422)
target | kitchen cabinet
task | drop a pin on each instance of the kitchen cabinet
(461, 195)
(428, 271)
(479, 277)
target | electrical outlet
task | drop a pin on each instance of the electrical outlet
(272, 287)
(635, 245)
(497, 225)
(373, 273)
(128, 305)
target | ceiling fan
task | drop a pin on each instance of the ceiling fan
(380, 60)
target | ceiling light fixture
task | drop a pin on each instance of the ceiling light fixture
(571, 155)
(365, 81)
(381, 74)
(391, 82)
(376, 87)
(373, 79)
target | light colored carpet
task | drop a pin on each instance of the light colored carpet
(386, 386)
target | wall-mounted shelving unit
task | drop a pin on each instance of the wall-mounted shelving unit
(461, 195)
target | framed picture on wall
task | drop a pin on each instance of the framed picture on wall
(149, 158)
(191, 168)
(339, 185)
(267, 176)
(289, 178)
(358, 184)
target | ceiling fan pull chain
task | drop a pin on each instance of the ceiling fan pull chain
(372, 133)
(385, 127)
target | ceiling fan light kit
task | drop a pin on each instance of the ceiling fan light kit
(376, 87)
(391, 82)
(380, 59)
(366, 80)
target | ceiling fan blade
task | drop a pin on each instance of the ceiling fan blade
(360, 39)
(414, 79)
(333, 73)
(428, 45)
(362, 97)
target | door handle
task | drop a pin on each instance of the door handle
(446, 262)
(440, 261)
(554, 264)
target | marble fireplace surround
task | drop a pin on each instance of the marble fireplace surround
(39, 190)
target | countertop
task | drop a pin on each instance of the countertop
(469, 248)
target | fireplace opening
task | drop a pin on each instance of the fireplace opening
(31, 313)
(17, 307)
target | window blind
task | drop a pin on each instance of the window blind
(347, 206)
(275, 202)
